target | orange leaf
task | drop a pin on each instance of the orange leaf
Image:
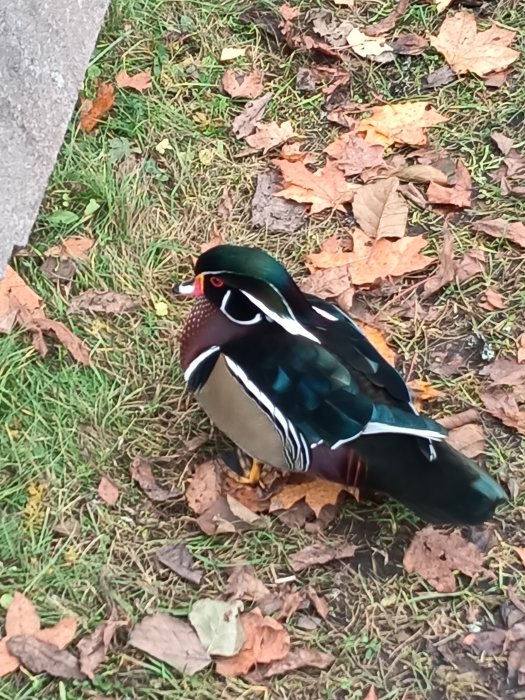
(378, 340)
(108, 491)
(317, 494)
(266, 641)
(138, 82)
(269, 135)
(243, 85)
(467, 50)
(404, 122)
(324, 189)
(60, 634)
(93, 111)
(457, 196)
(21, 617)
(15, 294)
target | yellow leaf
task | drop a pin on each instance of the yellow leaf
(229, 53)
(405, 122)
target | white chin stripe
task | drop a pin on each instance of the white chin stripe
(188, 289)
(290, 325)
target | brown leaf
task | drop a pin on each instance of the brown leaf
(139, 81)
(385, 25)
(224, 209)
(61, 634)
(297, 658)
(227, 515)
(371, 695)
(77, 247)
(460, 195)
(328, 283)
(177, 557)
(273, 213)
(243, 584)
(442, 76)
(38, 325)
(490, 642)
(501, 228)
(204, 487)
(436, 555)
(409, 44)
(521, 348)
(497, 79)
(21, 617)
(318, 602)
(459, 419)
(324, 189)
(504, 405)
(14, 295)
(422, 391)
(380, 210)
(94, 647)
(107, 303)
(404, 122)
(141, 473)
(317, 493)
(93, 111)
(237, 84)
(317, 554)
(8, 662)
(266, 641)
(61, 269)
(505, 372)
(171, 640)
(378, 340)
(504, 143)
(467, 50)
(446, 270)
(245, 123)
(108, 491)
(41, 657)
(492, 300)
(353, 154)
(269, 135)
(421, 172)
(468, 439)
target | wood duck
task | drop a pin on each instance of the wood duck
(294, 383)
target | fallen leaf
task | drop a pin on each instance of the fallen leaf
(468, 439)
(108, 491)
(366, 46)
(435, 556)
(177, 557)
(380, 210)
(422, 391)
(504, 405)
(15, 294)
(404, 122)
(378, 340)
(38, 325)
(171, 640)
(422, 173)
(492, 300)
(107, 303)
(317, 493)
(446, 271)
(470, 265)
(328, 283)
(459, 195)
(329, 27)
(245, 123)
(353, 154)
(293, 152)
(501, 228)
(521, 348)
(324, 189)
(317, 554)
(318, 602)
(238, 84)
(273, 213)
(215, 241)
(224, 209)
(77, 247)
(204, 487)
(385, 25)
(141, 472)
(504, 143)
(487, 642)
(243, 584)
(440, 77)
(266, 640)
(371, 695)
(497, 79)
(93, 111)
(230, 53)
(441, 5)
(409, 44)
(21, 617)
(218, 626)
(296, 659)
(503, 372)
(269, 135)
(41, 657)
(94, 647)
(227, 515)
(61, 634)
(459, 419)
(139, 81)
(61, 269)
(467, 50)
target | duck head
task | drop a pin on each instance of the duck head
(248, 286)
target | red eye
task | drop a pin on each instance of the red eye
(216, 281)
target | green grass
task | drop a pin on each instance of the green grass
(63, 426)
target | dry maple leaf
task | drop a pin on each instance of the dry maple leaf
(317, 554)
(404, 122)
(269, 135)
(380, 210)
(324, 189)
(76, 247)
(467, 50)
(500, 228)
(237, 84)
(504, 405)
(378, 340)
(15, 294)
(317, 493)
(93, 111)
(353, 154)
(460, 195)
(436, 555)
(266, 641)
(139, 81)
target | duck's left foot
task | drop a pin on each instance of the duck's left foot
(246, 470)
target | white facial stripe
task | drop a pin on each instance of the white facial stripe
(200, 358)
(224, 303)
(295, 446)
(291, 325)
(187, 288)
